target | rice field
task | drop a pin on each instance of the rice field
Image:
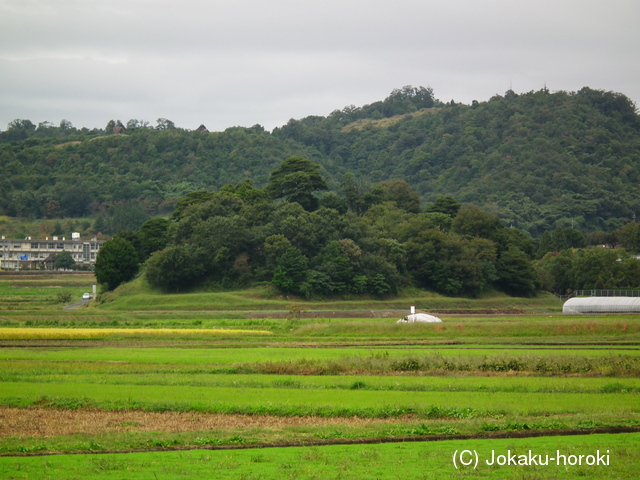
(36, 373)
(603, 457)
(320, 402)
(245, 369)
(106, 333)
(19, 291)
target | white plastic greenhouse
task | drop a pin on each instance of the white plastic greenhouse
(601, 305)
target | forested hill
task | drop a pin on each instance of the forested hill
(538, 160)
(86, 172)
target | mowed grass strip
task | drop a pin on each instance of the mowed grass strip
(102, 333)
(607, 328)
(322, 362)
(237, 355)
(46, 279)
(414, 460)
(345, 382)
(300, 402)
(304, 361)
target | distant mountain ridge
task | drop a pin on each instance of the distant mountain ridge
(538, 159)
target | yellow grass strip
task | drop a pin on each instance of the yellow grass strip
(93, 333)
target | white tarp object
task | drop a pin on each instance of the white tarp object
(419, 318)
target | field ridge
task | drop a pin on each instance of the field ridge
(362, 441)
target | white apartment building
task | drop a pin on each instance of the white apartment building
(17, 254)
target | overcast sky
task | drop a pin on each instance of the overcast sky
(242, 62)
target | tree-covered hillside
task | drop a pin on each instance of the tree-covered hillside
(88, 172)
(538, 160)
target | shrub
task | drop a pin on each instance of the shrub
(63, 296)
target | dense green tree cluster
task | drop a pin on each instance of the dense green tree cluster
(295, 181)
(245, 234)
(117, 263)
(560, 239)
(627, 237)
(64, 260)
(374, 240)
(601, 260)
(591, 268)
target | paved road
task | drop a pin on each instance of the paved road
(75, 305)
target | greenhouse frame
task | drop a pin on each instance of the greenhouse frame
(602, 305)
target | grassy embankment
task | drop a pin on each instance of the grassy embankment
(138, 296)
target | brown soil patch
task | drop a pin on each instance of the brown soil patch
(45, 422)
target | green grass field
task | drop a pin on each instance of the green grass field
(148, 371)
(27, 292)
(31, 373)
(322, 402)
(611, 456)
(249, 355)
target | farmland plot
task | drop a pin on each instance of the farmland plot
(107, 379)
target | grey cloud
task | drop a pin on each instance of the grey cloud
(225, 63)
